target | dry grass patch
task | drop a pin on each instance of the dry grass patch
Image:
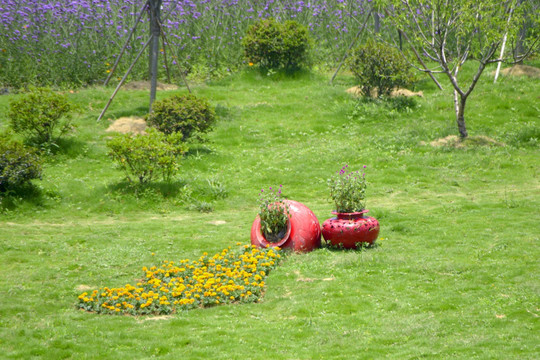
(128, 125)
(145, 85)
(521, 70)
(357, 91)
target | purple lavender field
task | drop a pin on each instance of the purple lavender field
(75, 42)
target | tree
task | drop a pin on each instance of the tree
(450, 32)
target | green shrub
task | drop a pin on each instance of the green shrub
(146, 156)
(380, 67)
(18, 164)
(41, 116)
(273, 45)
(528, 135)
(184, 114)
(296, 45)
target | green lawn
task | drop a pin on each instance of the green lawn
(455, 274)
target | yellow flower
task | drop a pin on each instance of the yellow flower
(250, 64)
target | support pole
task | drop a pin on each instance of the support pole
(165, 58)
(126, 44)
(177, 63)
(502, 47)
(350, 47)
(124, 79)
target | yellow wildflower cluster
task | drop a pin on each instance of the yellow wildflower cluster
(226, 277)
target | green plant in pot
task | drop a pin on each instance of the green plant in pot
(348, 190)
(350, 228)
(273, 214)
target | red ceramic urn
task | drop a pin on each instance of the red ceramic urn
(303, 231)
(350, 229)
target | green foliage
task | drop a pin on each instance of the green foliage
(217, 188)
(447, 34)
(348, 190)
(273, 45)
(274, 214)
(41, 116)
(188, 115)
(18, 164)
(528, 135)
(380, 109)
(429, 269)
(146, 156)
(379, 67)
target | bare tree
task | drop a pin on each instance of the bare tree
(447, 33)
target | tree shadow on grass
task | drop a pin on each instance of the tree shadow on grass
(141, 111)
(69, 147)
(15, 197)
(339, 248)
(197, 150)
(162, 190)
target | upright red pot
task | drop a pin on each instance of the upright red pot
(350, 229)
(303, 232)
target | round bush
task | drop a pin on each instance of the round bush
(380, 67)
(273, 45)
(145, 156)
(18, 165)
(41, 116)
(296, 45)
(185, 114)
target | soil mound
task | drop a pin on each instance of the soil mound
(128, 125)
(456, 142)
(357, 91)
(145, 85)
(521, 70)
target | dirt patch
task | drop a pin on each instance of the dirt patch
(128, 125)
(83, 287)
(145, 85)
(357, 91)
(217, 222)
(406, 93)
(455, 142)
(521, 70)
(155, 318)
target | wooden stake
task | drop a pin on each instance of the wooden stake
(126, 44)
(124, 79)
(350, 47)
(177, 63)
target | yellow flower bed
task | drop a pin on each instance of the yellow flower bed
(227, 277)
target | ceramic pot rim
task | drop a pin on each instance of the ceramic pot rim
(351, 213)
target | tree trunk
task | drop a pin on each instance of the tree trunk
(519, 48)
(377, 22)
(155, 7)
(460, 113)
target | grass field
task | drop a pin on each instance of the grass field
(455, 273)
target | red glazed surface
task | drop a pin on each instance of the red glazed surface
(348, 229)
(304, 232)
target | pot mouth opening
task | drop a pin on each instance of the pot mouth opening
(278, 243)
